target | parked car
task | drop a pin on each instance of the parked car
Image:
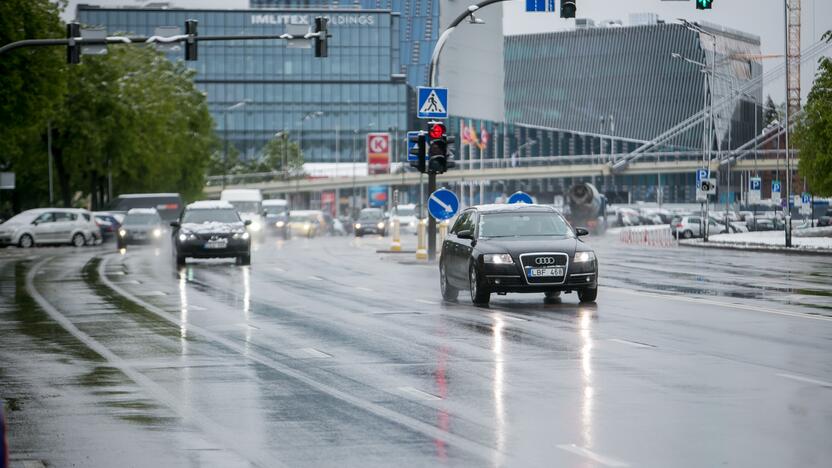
(49, 226)
(141, 226)
(687, 227)
(211, 229)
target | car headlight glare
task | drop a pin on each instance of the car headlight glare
(358, 225)
(157, 232)
(381, 225)
(183, 237)
(186, 236)
(255, 226)
(498, 259)
(582, 257)
(279, 224)
(122, 232)
(241, 235)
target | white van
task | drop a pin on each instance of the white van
(249, 203)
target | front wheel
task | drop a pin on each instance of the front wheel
(588, 294)
(244, 259)
(180, 260)
(449, 293)
(78, 240)
(26, 241)
(480, 295)
(551, 296)
(687, 234)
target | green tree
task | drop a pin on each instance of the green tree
(32, 85)
(770, 112)
(279, 155)
(137, 116)
(814, 131)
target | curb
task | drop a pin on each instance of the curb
(754, 248)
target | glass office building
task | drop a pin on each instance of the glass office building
(256, 89)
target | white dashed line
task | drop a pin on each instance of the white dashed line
(586, 453)
(280, 270)
(632, 343)
(806, 380)
(305, 353)
(423, 301)
(362, 288)
(152, 293)
(418, 394)
(316, 278)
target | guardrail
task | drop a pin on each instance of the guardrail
(651, 236)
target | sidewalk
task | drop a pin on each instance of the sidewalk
(768, 241)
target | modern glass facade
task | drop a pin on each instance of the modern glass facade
(324, 103)
(625, 81)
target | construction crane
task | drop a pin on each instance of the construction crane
(793, 56)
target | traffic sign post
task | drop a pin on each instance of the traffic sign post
(443, 204)
(775, 190)
(701, 175)
(432, 103)
(520, 197)
(755, 186)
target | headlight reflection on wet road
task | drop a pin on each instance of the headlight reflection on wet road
(585, 327)
(498, 389)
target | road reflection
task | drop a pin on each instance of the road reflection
(498, 388)
(585, 328)
(247, 306)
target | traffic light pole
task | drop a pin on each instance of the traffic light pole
(431, 220)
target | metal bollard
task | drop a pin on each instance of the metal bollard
(396, 245)
(421, 248)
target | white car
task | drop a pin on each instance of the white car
(406, 214)
(49, 226)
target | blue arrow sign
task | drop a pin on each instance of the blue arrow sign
(443, 204)
(433, 103)
(520, 197)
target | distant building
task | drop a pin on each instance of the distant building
(624, 81)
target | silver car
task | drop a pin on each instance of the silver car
(49, 226)
(687, 227)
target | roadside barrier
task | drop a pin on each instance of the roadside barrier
(652, 236)
(396, 244)
(421, 248)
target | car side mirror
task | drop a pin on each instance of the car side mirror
(35, 222)
(465, 234)
(265, 213)
(175, 224)
(580, 232)
(247, 222)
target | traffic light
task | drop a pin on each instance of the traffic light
(439, 154)
(73, 49)
(190, 42)
(321, 48)
(418, 150)
(568, 8)
(704, 4)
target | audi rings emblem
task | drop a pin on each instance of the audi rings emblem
(544, 260)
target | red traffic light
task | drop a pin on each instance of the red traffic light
(437, 131)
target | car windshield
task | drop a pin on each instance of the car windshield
(246, 206)
(140, 219)
(302, 218)
(369, 217)
(274, 210)
(523, 225)
(25, 217)
(211, 216)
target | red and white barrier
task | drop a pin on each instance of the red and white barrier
(652, 236)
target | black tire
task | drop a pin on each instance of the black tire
(687, 234)
(587, 294)
(121, 245)
(358, 235)
(180, 260)
(78, 240)
(480, 295)
(26, 241)
(449, 293)
(244, 259)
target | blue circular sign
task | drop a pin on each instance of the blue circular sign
(443, 204)
(521, 197)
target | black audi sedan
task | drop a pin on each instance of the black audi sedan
(211, 229)
(516, 248)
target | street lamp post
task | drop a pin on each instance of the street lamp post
(228, 136)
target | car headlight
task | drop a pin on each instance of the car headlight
(122, 232)
(381, 225)
(498, 259)
(307, 226)
(279, 224)
(157, 232)
(255, 226)
(241, 235)
(186, 236)
(358, 225)
(582, 257)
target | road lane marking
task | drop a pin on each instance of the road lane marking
(418, 394)
(806, 380)
(31, 463)
(632, 343)
(586, 453)
(478, 450)
(281, 270)
(159, 393)
(315, 278)
(152, 293)
(362, 288)
(302, 353)
(423, 301)
(731, 305)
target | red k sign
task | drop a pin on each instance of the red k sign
(378, 153)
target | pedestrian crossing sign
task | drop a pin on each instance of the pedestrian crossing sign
(433, 103)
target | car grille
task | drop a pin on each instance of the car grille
(206, 237)
(544, 260)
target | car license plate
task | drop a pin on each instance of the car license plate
(538, 272)
(216, 244)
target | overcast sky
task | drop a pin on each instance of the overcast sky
(760, 17)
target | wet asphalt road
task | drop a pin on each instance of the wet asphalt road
(325, 353)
